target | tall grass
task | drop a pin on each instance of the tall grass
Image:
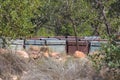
(45, 68)
(50, 69)
(11, 65)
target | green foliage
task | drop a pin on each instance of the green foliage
(112, 55)
(43, 32)
(15, 17)
(108, 56)
(107, 61)
(97, 60)
(108, 15)
(60, 17)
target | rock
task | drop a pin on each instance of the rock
(79, 54)
(55, 54)
(34, 48)
(2, 51)
(34, 52)
(22, 54)
(46, 54)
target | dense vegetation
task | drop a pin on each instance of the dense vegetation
(63, 17)
(25, 18)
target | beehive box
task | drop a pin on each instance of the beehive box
(32, 42)
(57, 45)
(96, 45)
(16, 44)
(82, 46)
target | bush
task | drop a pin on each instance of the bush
(112, 55)
(107, 61)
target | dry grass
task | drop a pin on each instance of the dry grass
(11, 65)
(50, 69)
(110, 73)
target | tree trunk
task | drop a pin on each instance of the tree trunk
(75, 32)
(107, 24)
(102, 11)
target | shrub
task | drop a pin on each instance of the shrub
(112, 55)
(107, 61)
